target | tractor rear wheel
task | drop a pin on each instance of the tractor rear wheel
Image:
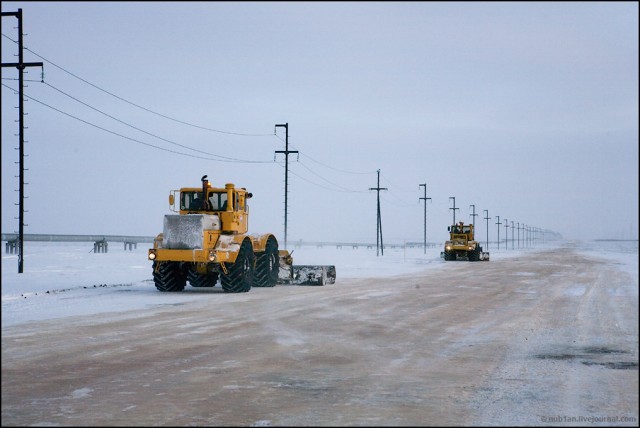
(239, 275)
(267, 265)
(168, 276)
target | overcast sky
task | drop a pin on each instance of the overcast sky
(527, 110)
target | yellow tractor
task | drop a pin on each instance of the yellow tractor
(461, 244)
(207, 240)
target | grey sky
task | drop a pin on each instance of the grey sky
(527, 110)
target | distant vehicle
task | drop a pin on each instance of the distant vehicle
(462, 246)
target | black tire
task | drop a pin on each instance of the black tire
(239, 275)
(449, 255)
(474, 255)
(169, 277)
(199, 280)
(267, 265)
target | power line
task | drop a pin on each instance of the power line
(342, 189)
(335, 169)
(133, 139)
(24, 80)
(402, 203)
(137, 105)
(139, 129)
(395, 185)
(309, 181)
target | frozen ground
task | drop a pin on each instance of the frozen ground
(534, 337)
(64, 279)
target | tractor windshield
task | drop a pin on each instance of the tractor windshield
(191, 201)
(218, 201)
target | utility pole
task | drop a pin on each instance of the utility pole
(512, 234)
(533, 236)
(379, 225)
(498, 223)
(20, 65)
(454, 209)
(518, 224)
(506, 234)
(487, 218)
(425, 214)
(473, 220)
(286, 152)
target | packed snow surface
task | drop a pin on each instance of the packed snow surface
(63, 279)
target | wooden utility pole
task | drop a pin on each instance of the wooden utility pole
(425, 215)
(487, 218)
(454, 209)
(20, 65)
(474, 215)
(379, 225)
(506, 234)
(286, 152)
(512, 234)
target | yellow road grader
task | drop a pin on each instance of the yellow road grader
(462, 246)
(207, 241)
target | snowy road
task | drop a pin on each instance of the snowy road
(545, 338)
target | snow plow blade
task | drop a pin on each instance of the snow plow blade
(484, 256)
(304, 274)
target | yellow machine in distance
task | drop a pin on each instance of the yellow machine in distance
(207, 240)
(462, 245)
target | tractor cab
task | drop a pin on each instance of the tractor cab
(461, 231)
(229, 204)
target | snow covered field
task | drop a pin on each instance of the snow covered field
(67, 279)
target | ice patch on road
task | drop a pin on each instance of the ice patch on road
(82, 393)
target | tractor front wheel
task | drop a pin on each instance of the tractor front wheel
(168, 276)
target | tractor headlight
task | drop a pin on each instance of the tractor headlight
(152, 255)
(448, 247)
(212, 256)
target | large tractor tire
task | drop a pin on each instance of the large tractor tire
(199, 280)
(267, 265)
(168, 276)
(239, 276)
(449, 255)
(474, 255)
